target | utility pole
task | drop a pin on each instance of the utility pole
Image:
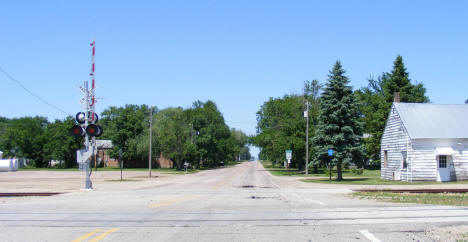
(307, 139)
(150, 139)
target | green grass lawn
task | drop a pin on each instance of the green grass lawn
(123, 180)
(281, 171)
(456, 199)
(27, 168)
(162, 170)
(368, 177)
(357, 181)
(374, 181)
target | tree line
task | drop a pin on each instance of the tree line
(39, 140)
(350, 122)
(198, 135)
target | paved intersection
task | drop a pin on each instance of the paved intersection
(241, 203)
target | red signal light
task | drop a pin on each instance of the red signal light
(94, 130)
(77, 131)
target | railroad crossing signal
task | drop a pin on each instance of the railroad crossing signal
(94, 130)
(80, 118)
(77, 131)
(91, 129)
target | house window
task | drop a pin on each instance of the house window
(442, 161)
(405, 156)
(385, 158)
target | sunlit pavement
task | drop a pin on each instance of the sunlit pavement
(241, 203)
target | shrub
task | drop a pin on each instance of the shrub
(357, 171)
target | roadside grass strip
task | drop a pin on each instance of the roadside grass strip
(321, 172)
(97, 238)
(374, 181)
(453, 199)
(116, 169)
(123, 180)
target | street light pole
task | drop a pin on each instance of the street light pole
(306, 114)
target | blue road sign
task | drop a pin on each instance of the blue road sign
(330, 152)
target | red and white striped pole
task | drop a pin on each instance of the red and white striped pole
(93, 85)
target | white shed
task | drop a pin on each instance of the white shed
(8, 164)
(425, 142)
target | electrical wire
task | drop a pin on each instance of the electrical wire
(32, 93)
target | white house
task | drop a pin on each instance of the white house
(425, 142)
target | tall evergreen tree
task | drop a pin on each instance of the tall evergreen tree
(338, 127)
(377, 99)
(399, 81)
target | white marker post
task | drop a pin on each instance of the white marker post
(289, 158)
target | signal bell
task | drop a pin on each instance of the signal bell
(94, 130)
(80, 118)
(77, 131)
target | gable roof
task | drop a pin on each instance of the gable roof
(434, 121)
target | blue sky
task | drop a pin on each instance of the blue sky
(236, 53)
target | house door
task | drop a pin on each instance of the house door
(443, 172)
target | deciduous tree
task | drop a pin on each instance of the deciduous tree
(26, 137)
(122, 125)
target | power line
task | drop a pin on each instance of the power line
(32, 93)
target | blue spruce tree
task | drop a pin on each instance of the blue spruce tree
(338, 128)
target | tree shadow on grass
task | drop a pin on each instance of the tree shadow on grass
(352, 179)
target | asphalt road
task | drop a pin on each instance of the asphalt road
(241, 203)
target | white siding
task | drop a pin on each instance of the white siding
(395, 139)
(425, 163)
(460, 161)
(422, 154)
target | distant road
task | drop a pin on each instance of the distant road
(241, 203)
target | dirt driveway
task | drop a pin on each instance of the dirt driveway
(71, 181)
